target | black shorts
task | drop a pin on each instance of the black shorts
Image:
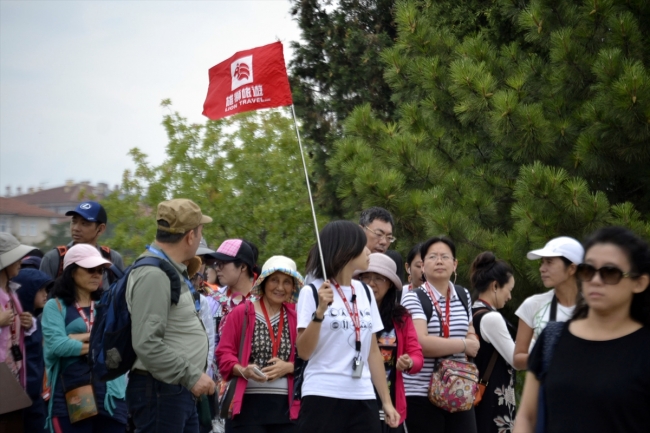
(424, 417)
(327, 415)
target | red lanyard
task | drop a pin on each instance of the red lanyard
(353, 312)
(443, 321)
(89, 323)
(275, 339)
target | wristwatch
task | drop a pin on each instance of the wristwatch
(315, 318)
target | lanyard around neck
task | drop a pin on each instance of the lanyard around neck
(87, 320)
(444, 321)
(275, 339)
(352, 311)
(195, 294)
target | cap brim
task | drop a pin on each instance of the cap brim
(13, 256)
(205, 219)
(93, 262)
(221, 256)
(202, 251)
(538, 254)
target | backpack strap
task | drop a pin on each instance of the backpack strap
(315, 293)
(106, 252)
(427, 304)
(485, 380)
(62, 249)
(168, 269)
(367, 291)
(463, 299)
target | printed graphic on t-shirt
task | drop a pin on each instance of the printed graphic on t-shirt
(387, 342)
(340, 321)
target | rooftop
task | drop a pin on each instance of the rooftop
(10, 206)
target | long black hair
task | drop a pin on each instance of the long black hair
(391, 310)
(638, 254)
(341, 241)
(66, 289)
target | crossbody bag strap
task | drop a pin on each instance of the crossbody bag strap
(553, 314)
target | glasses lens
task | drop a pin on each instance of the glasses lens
(585, 272)
(610, 274)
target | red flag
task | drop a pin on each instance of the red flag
(249, 80)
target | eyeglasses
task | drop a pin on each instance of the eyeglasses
(381, 235)
(98, 270)
(368, 278)
(444, 257)
(217, 266)
(608, 274)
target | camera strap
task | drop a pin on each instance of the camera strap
(352, 311)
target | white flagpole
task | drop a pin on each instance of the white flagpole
(311, 200)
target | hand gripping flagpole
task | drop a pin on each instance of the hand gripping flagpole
(311, 200)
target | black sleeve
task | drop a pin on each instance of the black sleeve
(535, 358)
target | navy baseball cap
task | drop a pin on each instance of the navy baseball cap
(90, 211)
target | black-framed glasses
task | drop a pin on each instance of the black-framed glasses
(381, 235)
(98, 270)
(608, 274)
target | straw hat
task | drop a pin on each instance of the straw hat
(279, 264)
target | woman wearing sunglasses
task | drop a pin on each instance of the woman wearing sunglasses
(398, 341)
(598, 378)
(559, 259)
(67, 321)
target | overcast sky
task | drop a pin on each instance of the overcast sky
(81, 81)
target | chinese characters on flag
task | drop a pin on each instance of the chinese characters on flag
(249, 80)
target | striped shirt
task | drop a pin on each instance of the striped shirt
(459, 320)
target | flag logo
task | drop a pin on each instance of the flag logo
(233, 89)
(241, 71)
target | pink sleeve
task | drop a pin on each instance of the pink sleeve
(412, 346)
(228, 349)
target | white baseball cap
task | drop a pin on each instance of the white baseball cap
(563, 246)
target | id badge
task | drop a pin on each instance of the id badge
(357, 368)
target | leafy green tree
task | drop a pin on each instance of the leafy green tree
(336, 67)
(245, 172)
(518, 122)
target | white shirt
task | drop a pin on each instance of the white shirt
(494, 331)
(329, 371)
(535, 311)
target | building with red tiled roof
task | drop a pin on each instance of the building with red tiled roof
(64, 198)
(30, 224)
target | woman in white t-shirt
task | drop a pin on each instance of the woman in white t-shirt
(337, 337)
(560, 258)
(443, 321)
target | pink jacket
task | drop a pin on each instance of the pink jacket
(5, 335)
(228, 350)
(407, 342)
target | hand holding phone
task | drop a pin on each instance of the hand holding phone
(259, 372)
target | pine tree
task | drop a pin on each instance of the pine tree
(336, 67)
(518, 122)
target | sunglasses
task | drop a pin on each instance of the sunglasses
(608, 274)
(98, 270)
